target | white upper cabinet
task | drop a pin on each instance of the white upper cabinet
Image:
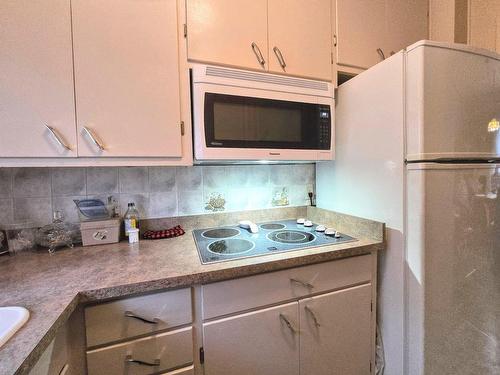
(36, 79)
(300, 41)
(367, 31)
(228, 32)
(484, 24)
(127, 78)
(360, 32)
(282, 36)
(407, 23)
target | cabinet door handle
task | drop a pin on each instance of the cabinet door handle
(257, 52)
(94, 138)
(130, 359)
(280, 58)
(313, 316)
(57, 138)
(381, 53)
(289, 325)
(303, 283)
(130, 314)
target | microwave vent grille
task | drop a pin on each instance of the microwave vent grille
(266, 78)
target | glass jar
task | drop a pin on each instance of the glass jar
(20, 236)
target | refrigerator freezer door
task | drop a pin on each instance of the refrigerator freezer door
(453, 275)
(452, 103)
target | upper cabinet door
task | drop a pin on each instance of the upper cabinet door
(37, 112)
(336, 333)
(300, 39)
(484, 24)
(127, 78)
(407, 23)
(361, 32)
(228, 32)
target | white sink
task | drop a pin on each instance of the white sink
(11, 319)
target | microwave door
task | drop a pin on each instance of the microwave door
(241, 123)
(246, 122)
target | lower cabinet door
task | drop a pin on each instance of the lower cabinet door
(53, 360)
(335, 332)
(260, 342)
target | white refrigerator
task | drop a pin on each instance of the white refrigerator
(418, 147)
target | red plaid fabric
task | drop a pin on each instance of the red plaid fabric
(165, 233)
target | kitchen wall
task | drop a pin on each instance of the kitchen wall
(34, 193)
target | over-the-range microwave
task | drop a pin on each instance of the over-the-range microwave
(242, 116)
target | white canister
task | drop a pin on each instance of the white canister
(133, 235)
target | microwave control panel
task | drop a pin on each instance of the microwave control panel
(325, 128)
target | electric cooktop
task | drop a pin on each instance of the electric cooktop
(232, 242)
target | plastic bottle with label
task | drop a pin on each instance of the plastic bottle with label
(131, 218)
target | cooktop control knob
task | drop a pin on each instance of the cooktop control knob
(320, 228)
(301, 221)
(308, 223)
(330, 231)
(247, 224)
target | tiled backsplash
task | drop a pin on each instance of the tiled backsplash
(34, 193)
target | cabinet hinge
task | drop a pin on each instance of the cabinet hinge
(185, 30)
(182, 128)
(202, 356)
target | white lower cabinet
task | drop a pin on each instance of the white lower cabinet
(54, 360)
(261, 342)
(322, 335)
(309, 320)
(335, 332)
(326, 327)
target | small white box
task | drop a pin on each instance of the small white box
(100, 232)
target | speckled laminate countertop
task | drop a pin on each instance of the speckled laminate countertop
(51, 286)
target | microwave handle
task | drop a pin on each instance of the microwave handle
(258, 54)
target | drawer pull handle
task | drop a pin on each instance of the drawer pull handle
(285, 320)
(130, 359)
(303, 283)
(130, 314)
(313, 316)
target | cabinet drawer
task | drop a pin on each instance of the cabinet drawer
(117, 320)
(231, 296)
(151, 354)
